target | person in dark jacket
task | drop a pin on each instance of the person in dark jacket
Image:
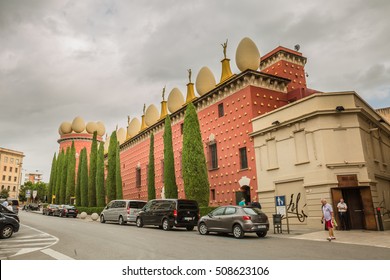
(256, 204)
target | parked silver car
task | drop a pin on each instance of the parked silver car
(236, 220)
(121, 211)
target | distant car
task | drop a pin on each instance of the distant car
(66, 211)
(8, 226)
(32, 207)
(235, 219)
(49, 209)
(9, 213)
(121, 211)
(168, 213)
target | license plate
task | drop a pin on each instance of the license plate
(71, 211)
(188, 218)
(261, 226)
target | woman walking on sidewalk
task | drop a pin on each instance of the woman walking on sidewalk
(327, 216)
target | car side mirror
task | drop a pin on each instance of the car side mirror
(210, 215)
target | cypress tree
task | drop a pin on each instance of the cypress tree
(52, 181)
(64, 175)
(58, 176)
(170, 187)
(196, 183)
(84, 179)
(100, 193)
(151, 181)
(78, 181)
(118, 176)
(92, 172)
(70, 178)
(111, 178)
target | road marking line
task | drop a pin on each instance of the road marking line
(49, 239)
(38, 245)
(56, 255)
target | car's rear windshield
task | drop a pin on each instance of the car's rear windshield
(137, 204)
(187, 205)
(68, 206)
(252, 211)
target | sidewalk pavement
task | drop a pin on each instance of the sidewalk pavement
(357, 237)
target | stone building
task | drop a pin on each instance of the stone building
(327, 145)
(11, 163)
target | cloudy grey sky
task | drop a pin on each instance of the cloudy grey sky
(102, 60)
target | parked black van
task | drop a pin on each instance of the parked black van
(168, 213)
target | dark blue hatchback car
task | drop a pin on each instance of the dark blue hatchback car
(8, 226)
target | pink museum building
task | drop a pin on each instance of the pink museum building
(225, 110)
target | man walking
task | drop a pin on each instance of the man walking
(328, 218)
(342, 209)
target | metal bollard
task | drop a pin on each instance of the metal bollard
(380, 221)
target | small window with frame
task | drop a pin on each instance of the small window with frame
(221, 111)
(138, 177)
(243, 158)
(213, 155)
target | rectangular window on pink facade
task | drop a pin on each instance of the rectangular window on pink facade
(138, 177)
(213, 158)
(243, 158)
(221, 112)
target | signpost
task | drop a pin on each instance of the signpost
(281, 208)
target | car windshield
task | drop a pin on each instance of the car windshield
(69, 206)
(252, 211)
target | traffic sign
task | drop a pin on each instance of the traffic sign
(280, 200)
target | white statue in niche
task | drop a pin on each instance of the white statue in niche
(163, 192)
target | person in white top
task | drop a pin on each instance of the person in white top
(9, 207)
(342, 209)
(328, 218)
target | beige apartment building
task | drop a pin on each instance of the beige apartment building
(327, 145)
(11, 171)
(33, 177)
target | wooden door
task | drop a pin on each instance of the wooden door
(336, 195)
(355, 208)
(368, 206)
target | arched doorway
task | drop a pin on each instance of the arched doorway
(245, 190)
(246, 193)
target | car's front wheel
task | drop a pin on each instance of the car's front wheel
(7, 232)
(139, 222)
(202, 228)
(261, 233)
(166, 225)
(238, 232)
(102, 220)
(121, 221)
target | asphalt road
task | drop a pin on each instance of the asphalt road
(45, 237)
